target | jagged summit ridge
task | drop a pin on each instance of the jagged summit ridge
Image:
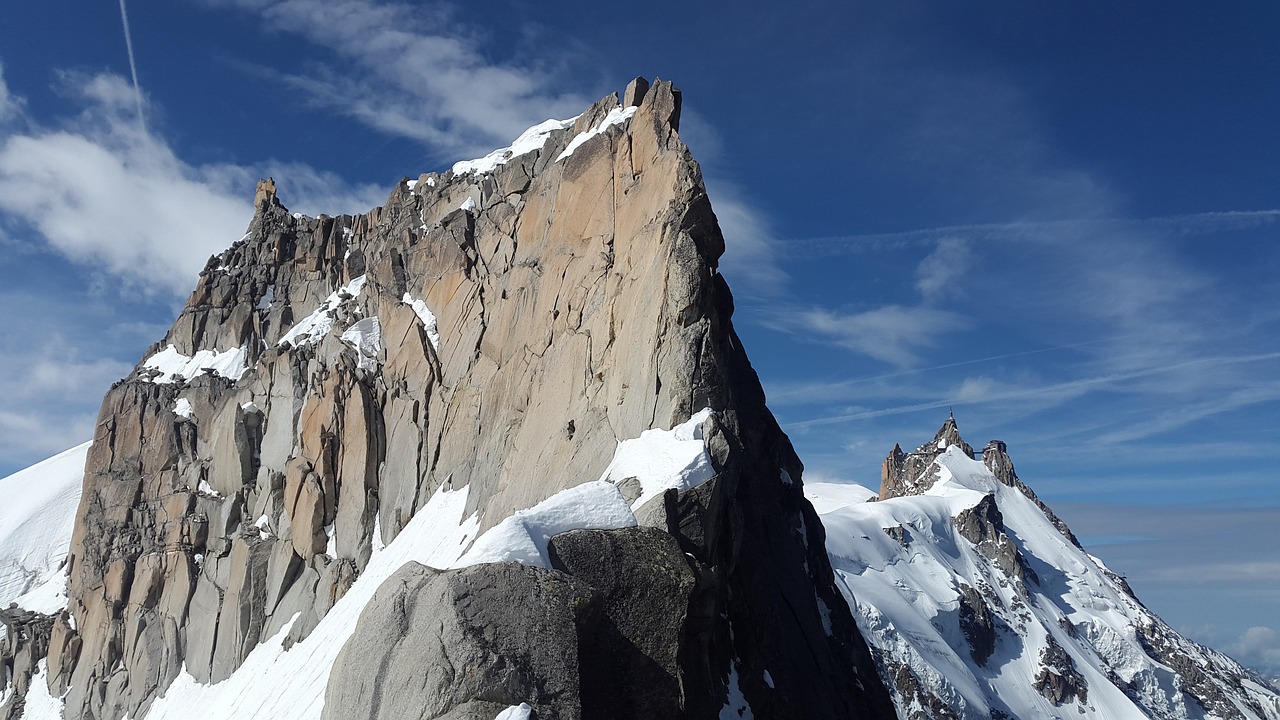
(979, 602)
(485, 342)
(906, 473)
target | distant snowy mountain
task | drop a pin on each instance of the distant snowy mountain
(979, 602)
(37, 514)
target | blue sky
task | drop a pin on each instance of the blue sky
(1059, 220)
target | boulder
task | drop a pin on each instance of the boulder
(643, 582)
(464, 644)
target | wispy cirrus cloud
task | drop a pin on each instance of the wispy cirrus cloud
(751, 261)
(415, 71)
(1126, 315)
(940, 269)
(1040, 232)
(985, 390)
(894, 334)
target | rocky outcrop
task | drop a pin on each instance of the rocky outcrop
(996, 457)
(1058, 680)
(911, 473)
(24, 644)
(630, 649)
(983, 525)
(465, 644)
(978, 624)
(499, 327)
(597, 637)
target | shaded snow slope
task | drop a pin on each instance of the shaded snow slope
(977, 606)
(37, 513)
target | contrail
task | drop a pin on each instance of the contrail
(1048, 230)
(133, 67)
(781, 395)
(1043, 390)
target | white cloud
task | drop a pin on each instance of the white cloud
(937, 274)
(412, 71)
(1257, 647)
(57, 360)
(750, 261)
(104, 193)
(10, 106)
(894, 333)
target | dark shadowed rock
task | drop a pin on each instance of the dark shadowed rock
(643, 582)
(463, 644)
(977, 623)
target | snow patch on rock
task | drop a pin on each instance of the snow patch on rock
(427, 317)
(616, 116)
(523, 711)
(736, 706)
(182, 408)
(312, 328)
(663, 459)
(366, 337)
(39, 704)
(173, 365)
(523, 537)
(532, 139)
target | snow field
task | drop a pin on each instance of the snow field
(37, 515)
(907, 601)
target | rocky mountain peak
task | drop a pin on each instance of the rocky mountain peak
(910, 473)
(353, 408)
(979, 603)
(996, 457)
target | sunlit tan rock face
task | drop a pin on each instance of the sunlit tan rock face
(576, 303)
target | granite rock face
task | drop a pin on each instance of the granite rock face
(501, 327)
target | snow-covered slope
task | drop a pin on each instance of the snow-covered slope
(37, 512)
(979, 604)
